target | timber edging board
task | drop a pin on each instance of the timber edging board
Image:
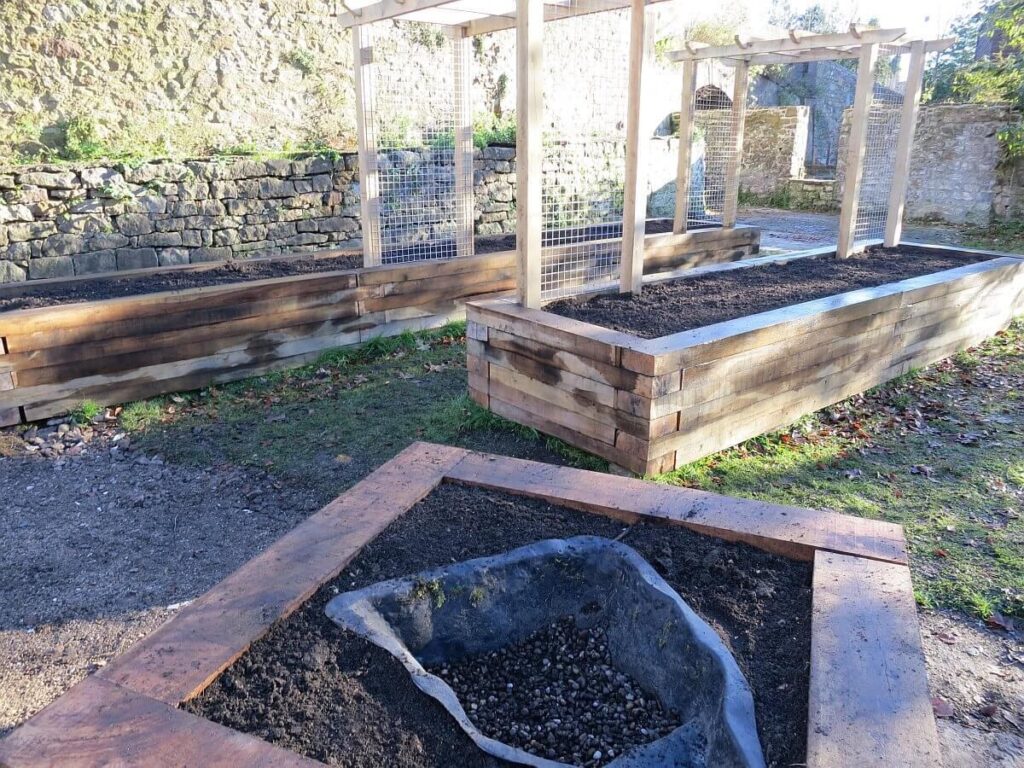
(868, 688)
(123, 349)
(651, 405)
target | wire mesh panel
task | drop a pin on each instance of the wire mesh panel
(882, 132)
(420, 195)
(583, 180)
(713, 150)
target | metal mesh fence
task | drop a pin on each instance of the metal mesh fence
(421, 200)
(883, 129)
(584, 153)
(713, 149)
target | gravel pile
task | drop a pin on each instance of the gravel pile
(557, 695)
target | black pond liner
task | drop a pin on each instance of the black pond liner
(478, 606)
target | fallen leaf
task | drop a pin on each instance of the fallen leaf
(922, 469)
(998, 621)
(343, 458)
(946, 638)
(940, 553)
(853, 474)
(941, 707)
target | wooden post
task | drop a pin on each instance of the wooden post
(732, 169)
(855, 152)
(904, 145)
(463, 142)
(529, 147)
(634, 210)
(369, 200)
(686, 111)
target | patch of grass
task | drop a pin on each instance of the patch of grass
(86, 411)
(936, 450)
(142, 415)
(999, 236)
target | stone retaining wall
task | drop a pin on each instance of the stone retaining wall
(59, 221)
(774, 143)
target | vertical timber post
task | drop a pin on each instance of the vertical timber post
(686, 111)
(369, 199)
(529, 147)
(634, 209)
(739, 119)
(463, 142)
(855, 153)
(905, 146)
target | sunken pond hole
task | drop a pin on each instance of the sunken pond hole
(558, 695)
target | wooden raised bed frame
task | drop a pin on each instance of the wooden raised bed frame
(651, 405)
(123, 349)
(869, 702)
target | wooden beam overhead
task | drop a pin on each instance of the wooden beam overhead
(385, 9)
(747, 49)
(552, 12)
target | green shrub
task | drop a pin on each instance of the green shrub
(80, 140)
(86, 411)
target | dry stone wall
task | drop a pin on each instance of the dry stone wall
(957, 173)
(774, 141)
(61, 221)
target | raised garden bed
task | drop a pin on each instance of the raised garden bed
(701, 364)
(303, 692)
(129, 336)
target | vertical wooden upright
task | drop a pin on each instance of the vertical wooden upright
(855, 152)
(634, 209)
(369, 185)
(735, 163)
(529, 147)
(904, 145)
(462, 59)
(686, 110)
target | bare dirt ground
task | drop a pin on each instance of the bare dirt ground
(103, 546)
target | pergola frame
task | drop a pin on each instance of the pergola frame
(796, 48)
(466, 19)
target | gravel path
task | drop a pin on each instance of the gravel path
(101, 547)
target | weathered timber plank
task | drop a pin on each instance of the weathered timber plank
(27, 321)
(180, 317)
(583, 339)
(9, 414)
(565, 395)
(545, 413)
(180, 659)
(341, 331)
(791, 531)
(469, 286)
(98, 724)
(424, 270)
(269, 322)
(710, 342)
(613, 376)
(869, 702)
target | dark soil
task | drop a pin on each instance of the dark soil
(558, 695)
(332, 696)
(25, 296)
(174, 280)
(693, 302)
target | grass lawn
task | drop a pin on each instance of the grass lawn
(940, 451)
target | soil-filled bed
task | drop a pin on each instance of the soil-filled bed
(692, 302)
(332, 696)
(114, 286)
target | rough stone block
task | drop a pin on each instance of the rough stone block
(170, 257)
(209, 254)
(136, 258)
(278, 167)
(35, 230)
(54, 266)
(276, 188)
(226, 237)
(106, 241)
(160, 240)
(224, 190)
(191, 238)
(134, 224)
(63, 245)
(83, 224)
(93, 263)
(94, 178)
(58, 180)
(11, 273)
(9, 213)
